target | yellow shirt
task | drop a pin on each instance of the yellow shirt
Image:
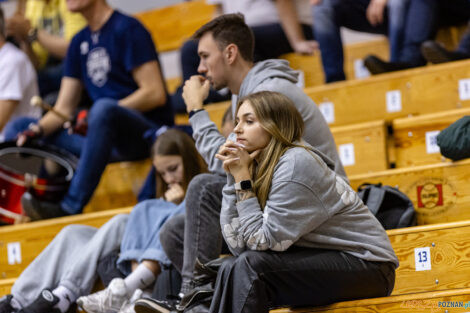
(54, 17)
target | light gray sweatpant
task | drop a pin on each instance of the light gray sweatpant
(70, 260)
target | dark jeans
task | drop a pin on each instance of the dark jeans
(49, 78)
(256, 281)
(329, 16)
(196, 234)
(270, 43)
(114, 134)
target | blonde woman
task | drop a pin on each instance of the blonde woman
(299, 234)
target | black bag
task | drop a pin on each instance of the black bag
(390, 206)
(454, 141)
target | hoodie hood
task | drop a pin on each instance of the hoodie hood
(265, 70)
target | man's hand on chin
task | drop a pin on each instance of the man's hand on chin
(195, 91)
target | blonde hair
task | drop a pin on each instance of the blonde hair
(277, 115)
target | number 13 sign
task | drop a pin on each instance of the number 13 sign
(423, 259)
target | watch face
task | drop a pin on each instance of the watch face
(245, 184)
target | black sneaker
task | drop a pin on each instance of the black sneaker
(435, 53)
(40, 210)
(44, 303)
(5, 304)
(148, 305)
(376, 65)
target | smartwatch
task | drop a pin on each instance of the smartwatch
(244, 185)
(194, 112)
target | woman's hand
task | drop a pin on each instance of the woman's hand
(237, 161)
(175, 193)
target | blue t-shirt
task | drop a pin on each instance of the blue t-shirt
(104, 60)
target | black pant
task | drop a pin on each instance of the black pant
(256, 281)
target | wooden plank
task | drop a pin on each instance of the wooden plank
(216, 112)
(33, 237)
(434, 302)
(414, 137)
(362, 147)
(119, 185)
(440, 192)
(171, 26)
(411, 92)
(6, 285)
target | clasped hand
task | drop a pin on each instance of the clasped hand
(237, 161)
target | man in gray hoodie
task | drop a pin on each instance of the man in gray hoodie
(226, 52)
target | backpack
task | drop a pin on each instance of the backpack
(390, 206)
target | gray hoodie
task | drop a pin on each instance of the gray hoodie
(269, 75)
(309, 205)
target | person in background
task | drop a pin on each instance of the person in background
(67, 268)
(279, 27)
(115, 60)
(44, 31)
(435, 53)
(422, 21)
(386, 17)
(18, 82)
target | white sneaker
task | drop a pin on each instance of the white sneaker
(109, 300)
(128, 306)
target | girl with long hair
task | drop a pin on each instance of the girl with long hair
(299, 235)
(176, 161)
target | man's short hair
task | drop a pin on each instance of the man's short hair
(227, 29)
(2, 23)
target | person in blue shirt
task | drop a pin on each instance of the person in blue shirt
(115, 60)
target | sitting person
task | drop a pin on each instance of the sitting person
(421, 23)
(115, 59)
(433, 52)
(43, 31)
(372, 16)
(279, 27)
(66, 269)
(18, 82)
(299, 234)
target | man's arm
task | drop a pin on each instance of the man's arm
(291, 26)
(7, 107)
(151, 91)
(69, 97)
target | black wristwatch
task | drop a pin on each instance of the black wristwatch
(194, 112)
(244, 185)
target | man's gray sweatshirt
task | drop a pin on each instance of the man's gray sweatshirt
(309, 205)
(269, 75)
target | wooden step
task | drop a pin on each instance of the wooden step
(119, 185)
(415, 137)
(20, 244)
(434, 302)
(440, 192)
(389, 96)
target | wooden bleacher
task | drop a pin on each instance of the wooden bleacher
(411, 92)
(415, 137)
(440, 192)
(33, 237)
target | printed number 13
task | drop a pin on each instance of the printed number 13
(423, 256)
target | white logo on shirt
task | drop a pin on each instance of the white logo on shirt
(84, 47)
(98, 65)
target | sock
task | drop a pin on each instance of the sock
(139, 279)
(66, 298)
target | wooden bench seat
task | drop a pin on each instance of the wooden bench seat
(446, 245)
(427, 302)
(389, 96)
(119, 185)
(440, 192)
(415, 137)
(20, 244)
